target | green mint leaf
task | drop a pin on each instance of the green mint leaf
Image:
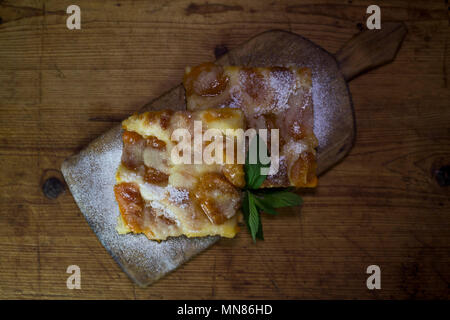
(254, 229)
(253, 176)
(280, 199)
(253, 219)
(265, 206)
(259, 234)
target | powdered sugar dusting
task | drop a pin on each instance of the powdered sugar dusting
(296, 128)
(283, 85)
(164, 210)
(178, 196)
(295, 147)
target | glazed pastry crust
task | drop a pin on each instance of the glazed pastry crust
(162, 199)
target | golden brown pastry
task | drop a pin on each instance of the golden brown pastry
(163, 199)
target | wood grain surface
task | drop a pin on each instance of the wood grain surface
(385, 204)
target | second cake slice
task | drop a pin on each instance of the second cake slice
(271, 98)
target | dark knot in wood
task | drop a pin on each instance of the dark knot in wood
(220, 50)
(53, 187)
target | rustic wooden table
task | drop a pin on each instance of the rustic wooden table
(386, 204)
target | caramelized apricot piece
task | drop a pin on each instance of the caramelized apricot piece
(235, 174)
(132, 150)
(155, 143)
(303, 171)
(155, 176)
(217, 197)
(206, 80)
(131, 137)
(252, 82)
(131, 204)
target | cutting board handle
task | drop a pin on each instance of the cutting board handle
(370, 49)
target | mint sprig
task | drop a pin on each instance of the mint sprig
(253, 177)
(255, 202)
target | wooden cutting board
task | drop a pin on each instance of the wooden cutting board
(90, 174)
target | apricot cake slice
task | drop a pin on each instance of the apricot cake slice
(163, 198)
(271, 98)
